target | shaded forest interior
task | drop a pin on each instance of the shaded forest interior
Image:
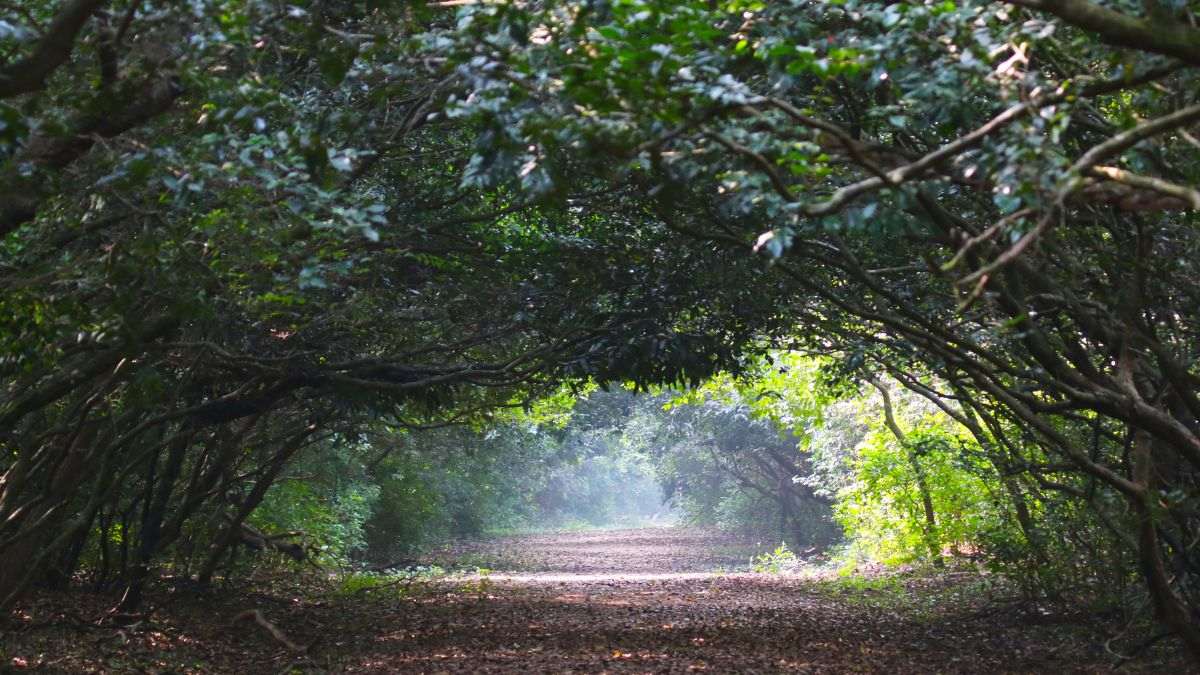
(294, 295)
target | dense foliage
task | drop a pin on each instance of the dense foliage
(277, 254)
(383, 500)
(989, 203)
(239, 239)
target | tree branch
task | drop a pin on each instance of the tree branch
(22, 192)
(53, 50)
(1158, 37)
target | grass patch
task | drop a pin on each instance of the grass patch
(775, 562)
(392, 584)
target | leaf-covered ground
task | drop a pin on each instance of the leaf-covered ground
(645, 601)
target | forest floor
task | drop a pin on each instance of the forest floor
(643, 601)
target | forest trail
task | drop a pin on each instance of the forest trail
(681, 600)
(630, 601)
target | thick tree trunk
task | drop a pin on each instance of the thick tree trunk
(17, 573)
(40, 514)
(1171, 609)
(58, 574)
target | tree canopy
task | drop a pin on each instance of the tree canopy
(236, 231)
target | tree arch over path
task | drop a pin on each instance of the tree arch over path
(236, 229)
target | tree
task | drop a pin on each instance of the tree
(226, 225)
(232, 231)
(735, 451)
(993, 197)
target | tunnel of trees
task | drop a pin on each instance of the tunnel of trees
(372, 269)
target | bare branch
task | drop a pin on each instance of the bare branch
(759, 159)
(1190, 197)
(1127, 139)
(258, 618)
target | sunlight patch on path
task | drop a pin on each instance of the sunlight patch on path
(596, 577)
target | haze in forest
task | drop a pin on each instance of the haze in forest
(845, 335)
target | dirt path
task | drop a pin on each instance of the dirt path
(639, 601)
(666, 601)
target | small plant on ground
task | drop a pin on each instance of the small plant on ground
(775, 562)
(399, 583)
(481, 585)
(858, 584)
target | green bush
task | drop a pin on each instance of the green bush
(775, 562)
